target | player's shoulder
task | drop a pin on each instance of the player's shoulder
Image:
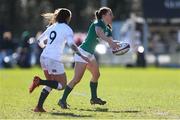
(62, 26)
(67, 28)
(95, 22)
(99, 23)
(50, 27)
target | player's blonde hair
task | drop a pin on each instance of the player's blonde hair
(59, 15)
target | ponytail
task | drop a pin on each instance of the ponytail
(49, 17)
(97, 15)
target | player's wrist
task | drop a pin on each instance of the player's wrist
(110, 42)
(78, 53)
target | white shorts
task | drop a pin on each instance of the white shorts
(77, 58)
(52, 66)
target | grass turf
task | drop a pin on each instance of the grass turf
(130, 93)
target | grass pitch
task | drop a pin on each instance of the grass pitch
(130, 93)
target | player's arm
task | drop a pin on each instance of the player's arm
(43, 38)
(109, 40)
(74, 47)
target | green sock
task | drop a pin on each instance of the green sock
(66, 93)
(93, 86)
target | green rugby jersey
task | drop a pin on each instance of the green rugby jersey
(92, 39)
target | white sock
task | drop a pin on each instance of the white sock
(47, 88)
(59, 86)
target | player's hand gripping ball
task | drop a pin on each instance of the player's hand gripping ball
(123, 48)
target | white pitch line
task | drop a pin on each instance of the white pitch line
(80, 94)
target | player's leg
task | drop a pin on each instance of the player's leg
(93, 67)
(44, 93)
(60, 81)
(46, 90)
(56, 70)
(94, 70)
(54, 84)
(78, 73)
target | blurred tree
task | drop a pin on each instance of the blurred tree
(21, 15)
(88, 13)
(76, 6)
(120, 8)
(7, 13)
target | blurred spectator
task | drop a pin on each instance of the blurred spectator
(24, 59)
(172, 42)
(7, 47)
(128, 30)
(38, 50)
(158, 47)
(131, 32)
(79, 38)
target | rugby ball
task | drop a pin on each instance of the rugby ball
(124, 48)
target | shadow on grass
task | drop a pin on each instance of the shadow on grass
(107, 110)
(70, 115)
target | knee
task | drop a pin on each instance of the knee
(96, 76)
(61, 85)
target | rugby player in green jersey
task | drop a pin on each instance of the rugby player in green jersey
(98, 30)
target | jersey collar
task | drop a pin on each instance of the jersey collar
(103, 22)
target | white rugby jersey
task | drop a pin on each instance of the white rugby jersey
(57, 35)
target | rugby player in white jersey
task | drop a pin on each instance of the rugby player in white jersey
(57, 34)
